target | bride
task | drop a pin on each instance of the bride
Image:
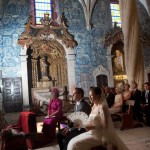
(100, 127)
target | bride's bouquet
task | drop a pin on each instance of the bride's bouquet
(80, 119)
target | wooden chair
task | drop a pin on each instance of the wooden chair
(126, 117)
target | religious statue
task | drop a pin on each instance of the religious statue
(44, 67)
(118, 61)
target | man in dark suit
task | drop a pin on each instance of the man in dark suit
(67, 134)
(109, 97)
(146, 102)
(136, 96)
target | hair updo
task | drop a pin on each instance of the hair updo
(96, 90)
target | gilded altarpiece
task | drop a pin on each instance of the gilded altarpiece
(48, 55)
(56, 69)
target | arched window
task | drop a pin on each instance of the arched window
(38, 8)
(115, 12)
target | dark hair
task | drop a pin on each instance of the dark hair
(79, 91)
(91, 87)
(127, 85)
(96, 90)
(134, 83)
(55, 91)
(147, 83)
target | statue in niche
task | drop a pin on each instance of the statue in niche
(44, 68)
(118, 62)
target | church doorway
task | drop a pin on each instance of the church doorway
(12, 94)
(102, 81)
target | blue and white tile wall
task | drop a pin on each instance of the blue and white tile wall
(145, 30)
(90, 52)
(12, 22)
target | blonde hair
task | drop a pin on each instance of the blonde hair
(119, 89)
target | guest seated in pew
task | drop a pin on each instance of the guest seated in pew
(99, 127)
(54, 114)
(126, 92)
(146, 102)
(68, 133)
(136, 96)
(126, 96)
(118, 103)
(109, 97)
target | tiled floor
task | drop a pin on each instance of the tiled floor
(136, 139)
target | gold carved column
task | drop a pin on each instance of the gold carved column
(34, 73)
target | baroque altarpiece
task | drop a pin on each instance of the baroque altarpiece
(47, 55)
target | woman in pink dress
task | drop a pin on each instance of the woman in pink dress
(54, 114)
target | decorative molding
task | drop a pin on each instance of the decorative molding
(88, 8)
(116, 34)
(48, 32)
(113, 36)
(100, 70)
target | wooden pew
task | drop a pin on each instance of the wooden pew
(125, 117)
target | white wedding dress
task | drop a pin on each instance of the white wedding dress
(99, 135)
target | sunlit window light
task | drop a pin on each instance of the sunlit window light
(41, 7)
(115, 13)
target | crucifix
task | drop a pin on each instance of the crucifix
(54, 81)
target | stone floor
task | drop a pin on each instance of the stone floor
(135, 139)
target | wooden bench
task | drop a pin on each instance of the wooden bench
(125, 117)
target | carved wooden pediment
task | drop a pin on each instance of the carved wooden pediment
(52, 49)
(113, 36)
(50, 31)
(100, 70)
(116, 34)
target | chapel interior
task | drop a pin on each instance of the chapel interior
(77, 43)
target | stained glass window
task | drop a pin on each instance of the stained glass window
(41, 7)
(115, 13)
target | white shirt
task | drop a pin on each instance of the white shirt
(146, 95)
(78, 103)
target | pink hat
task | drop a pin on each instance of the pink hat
(55, 91)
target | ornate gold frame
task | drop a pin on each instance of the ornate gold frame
(43, 41)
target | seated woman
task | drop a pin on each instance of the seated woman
(54, 114)
(127, 92)
(118, 103)
(99, 126)
(126, 96)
